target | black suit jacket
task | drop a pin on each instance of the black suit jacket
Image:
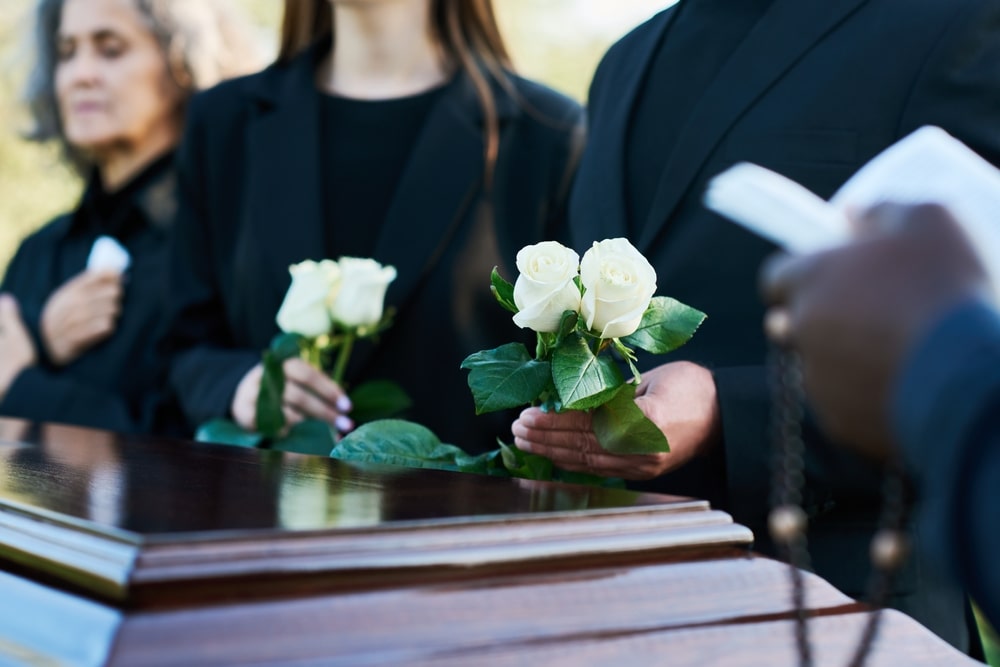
(816, 89)
(251, 205)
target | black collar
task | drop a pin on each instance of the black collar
(149, 198)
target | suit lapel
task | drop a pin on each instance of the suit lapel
(787, 30)
(604, 215)
(284, 196)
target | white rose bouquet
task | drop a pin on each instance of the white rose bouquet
(584, 312)
(327, 308)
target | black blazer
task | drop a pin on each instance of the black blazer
(816, 89)
(115, 384)
(251, 205)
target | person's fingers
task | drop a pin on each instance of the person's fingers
(571, 440)
(302, 399)
(112, 292)
(571, 420)
(91, 331)
(98, 279)
(292, 416)
(9, 309)
(780, 274)
(600, 462)
(299, 371)
(305, 401)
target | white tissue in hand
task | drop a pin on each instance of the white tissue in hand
(107, 254)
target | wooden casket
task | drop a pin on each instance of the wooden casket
(141, 551)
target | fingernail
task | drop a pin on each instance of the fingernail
(343, 424)
(344, 404)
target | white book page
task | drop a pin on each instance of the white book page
(927, 166)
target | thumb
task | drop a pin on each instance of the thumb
(8, 307)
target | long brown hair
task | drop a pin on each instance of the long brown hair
(467, 30)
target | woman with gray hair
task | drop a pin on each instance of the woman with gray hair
(81, 303)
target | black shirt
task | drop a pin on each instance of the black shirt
(364, 147)
(711, 28)
(112, 384)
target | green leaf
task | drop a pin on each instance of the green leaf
(286, 345)
(227, 432)
(567, 325)
(488, 463)
(308, 437)
(666, 325)
(270, 418)
(533, 466)
(502, 291)
(506, 377)
(622, 428)
(629, 356)
(399, 443)
(584, 380)
(525, 465)
(378, 399)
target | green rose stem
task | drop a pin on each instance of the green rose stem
(314, 354)
(343, 356)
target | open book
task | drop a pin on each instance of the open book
(928, 166)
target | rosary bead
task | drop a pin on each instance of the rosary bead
(889, 549)
(786, 523)
(778, 325)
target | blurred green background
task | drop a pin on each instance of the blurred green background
(556, 41)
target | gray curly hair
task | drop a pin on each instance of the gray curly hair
(203, 41)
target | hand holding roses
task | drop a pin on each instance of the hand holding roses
(308, 394)
(297, 392)
(679, 398)
(581, 313)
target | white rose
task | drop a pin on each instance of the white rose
(618, 284)
(305, 309)
(363, 283)
(545, 288)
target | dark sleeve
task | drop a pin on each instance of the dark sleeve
(38, 395)
(946, 415)
(205, 368)
(31, 286)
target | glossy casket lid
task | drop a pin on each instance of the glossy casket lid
(140, 520)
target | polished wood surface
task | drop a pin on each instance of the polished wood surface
(153, 522)
(139, 551)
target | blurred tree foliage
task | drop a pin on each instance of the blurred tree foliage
(556, 41)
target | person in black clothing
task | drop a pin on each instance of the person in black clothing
(111, 84)
(917, 380)
(802, 87)
(391, 130)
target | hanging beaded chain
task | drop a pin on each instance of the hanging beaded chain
(787, 522)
